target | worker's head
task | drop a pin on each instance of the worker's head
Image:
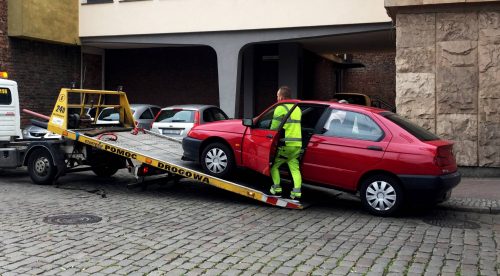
(284, 93)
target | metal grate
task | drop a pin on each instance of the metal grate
(452, 223)
(71, 219)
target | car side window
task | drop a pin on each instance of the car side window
(155, 110)
(352, 125)
(266, 120)
(208, 116)
(147, 114)
(219, 115)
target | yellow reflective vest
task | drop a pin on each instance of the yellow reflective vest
(293, 133)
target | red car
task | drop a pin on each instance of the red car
(352, 148)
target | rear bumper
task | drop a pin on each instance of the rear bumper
(427, 188)
(191, 148)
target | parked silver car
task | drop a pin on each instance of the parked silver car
(143, 114)
(176, 121)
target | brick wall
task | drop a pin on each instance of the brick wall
(377, 78)
(164, 76)
(319, 77)
(40, 69)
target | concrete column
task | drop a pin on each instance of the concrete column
(229, 75)
(289, 67)
(248, 82)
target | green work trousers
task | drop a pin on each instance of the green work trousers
(290, 156)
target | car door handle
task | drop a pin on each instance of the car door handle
(270, 136)
(375, 148)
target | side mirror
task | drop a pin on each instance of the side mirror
(248, 122)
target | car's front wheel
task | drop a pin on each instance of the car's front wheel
(217, 159)
(41, 167)
(381, 195)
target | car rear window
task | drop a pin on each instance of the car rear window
(417, 131)
(175, 116)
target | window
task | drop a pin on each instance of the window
(417, 131)
(353, 125)
(109, 114)
(265, 120)
(5, 96)
(96, 1)
(155, 110)
(214, 114)
(176, 116)
(147, 114)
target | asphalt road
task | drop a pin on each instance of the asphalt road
(194, 229)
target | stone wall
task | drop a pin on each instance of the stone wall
(448, 77)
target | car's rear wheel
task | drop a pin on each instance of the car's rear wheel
(381, 195)
(217, 159)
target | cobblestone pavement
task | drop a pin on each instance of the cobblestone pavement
(194, 229)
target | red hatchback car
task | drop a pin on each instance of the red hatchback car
(352, 148)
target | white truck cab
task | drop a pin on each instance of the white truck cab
(10, 119)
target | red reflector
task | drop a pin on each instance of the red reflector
(196, 118)
(145, 170)
(444, 156)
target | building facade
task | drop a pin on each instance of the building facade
(448, 73)
(38, 48)
(436, 61)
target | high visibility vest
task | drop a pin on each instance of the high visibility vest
(293, 133)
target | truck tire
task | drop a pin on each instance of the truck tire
(217, 159)
(105, 171)
(381, 195)
(41, 167)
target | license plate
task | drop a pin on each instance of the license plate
(171, 131)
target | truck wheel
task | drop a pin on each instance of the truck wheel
(41, 167)
(217, 159)
(105, 171)
(381, 195)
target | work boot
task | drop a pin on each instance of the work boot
(295, 194)
(275, 190)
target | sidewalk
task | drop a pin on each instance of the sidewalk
(479, 195)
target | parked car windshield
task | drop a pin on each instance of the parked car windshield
(111, 114)
(417, 131)
(175, 115)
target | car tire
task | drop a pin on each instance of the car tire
(381, 195)
(217, 160)
(41, 167)
(105, 171)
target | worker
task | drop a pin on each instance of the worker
(290, 145)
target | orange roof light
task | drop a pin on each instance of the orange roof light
(4, 75)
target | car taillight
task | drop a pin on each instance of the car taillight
(196, 118)
(444, 156)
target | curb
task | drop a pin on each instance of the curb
(480, 210)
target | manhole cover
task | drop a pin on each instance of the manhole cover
(452, 223)
(71, 219)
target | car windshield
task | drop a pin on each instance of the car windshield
(417, 131)
(111, 114)
(175, 115)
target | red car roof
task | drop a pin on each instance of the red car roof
(340, 105)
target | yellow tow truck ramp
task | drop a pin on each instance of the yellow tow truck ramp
(143, 146)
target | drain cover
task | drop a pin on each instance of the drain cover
(452, 223)
(71, 219)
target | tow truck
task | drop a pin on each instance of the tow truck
(104, 149)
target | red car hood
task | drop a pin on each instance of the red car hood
(233, 126)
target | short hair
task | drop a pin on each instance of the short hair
(285, 92)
